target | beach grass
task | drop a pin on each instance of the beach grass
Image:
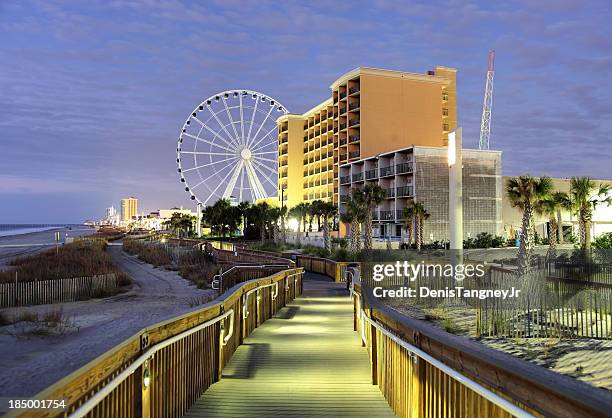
(81, 258)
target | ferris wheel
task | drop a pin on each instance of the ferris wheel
(228, 147)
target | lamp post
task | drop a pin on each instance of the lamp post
(455, 193)
(199, 220)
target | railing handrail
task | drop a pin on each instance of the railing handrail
(113, 384)
(217, 281)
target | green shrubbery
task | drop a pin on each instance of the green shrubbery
(485, 240)
(603, 241)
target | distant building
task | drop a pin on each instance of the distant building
(129, 208)
(111, 212)
(512, 217)
(156, 219)
(111, 216)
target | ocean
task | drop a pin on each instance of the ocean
(20, 229)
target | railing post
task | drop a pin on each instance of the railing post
(219, 365)
(354, 312)
(418, 394)
(374, 354)
(142, 383)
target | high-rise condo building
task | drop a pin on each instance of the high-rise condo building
(129, 208)
(369, 112)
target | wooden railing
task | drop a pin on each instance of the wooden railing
(162, 370)
(237, 253)
(241, 273)
(333, 269)
(425, 372)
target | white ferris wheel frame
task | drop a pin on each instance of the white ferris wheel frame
(242, 152)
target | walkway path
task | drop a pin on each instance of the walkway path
(307, 361)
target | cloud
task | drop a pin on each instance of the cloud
(96, 92)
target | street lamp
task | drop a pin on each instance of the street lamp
(455, 190)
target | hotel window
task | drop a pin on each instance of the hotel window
(445, 127)
(445, 112)
(444, 96)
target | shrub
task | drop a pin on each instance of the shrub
(339, 242)
(78, 259)
(485, 240)
(603, 241)
(155, 254)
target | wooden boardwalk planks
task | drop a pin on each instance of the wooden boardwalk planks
(307, 361)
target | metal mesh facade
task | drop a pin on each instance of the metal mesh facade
(481, 192)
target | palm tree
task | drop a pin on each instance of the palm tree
(316, 210)
(299, 212)
(347, 218)
(311, 212)
(355, 215)
(410, 220)
(420, 215)
(373, 195)
(328, 210)
(283, 215)
(550, 206)
(584, 197)
(274, 215)
(243, 209)
(524, 192)
(261, 214)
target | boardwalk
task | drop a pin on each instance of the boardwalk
(306, 362)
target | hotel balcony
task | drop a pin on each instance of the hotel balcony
(358, 177)
(284, 127)
(344, 198)
(353, 122)
(405, 191)
(342, 126)
(399, 214)
(353, 106)
(342, 111)
(386, 171)
(354, 138)
(370, 174)
(390, 192)
(342, 95)
(354, 154)
(386, 215)
(353, 90)
(343, 141)
(345, 180)
(403, 168)
(284, 139)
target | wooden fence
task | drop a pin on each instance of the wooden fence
(55, 291)
(333, 269)
(425, 372)
(163, 369)
(560, 308)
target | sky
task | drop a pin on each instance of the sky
(93, 94)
